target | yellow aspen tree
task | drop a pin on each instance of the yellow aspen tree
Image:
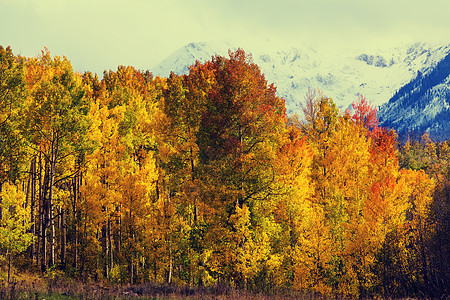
(140, 174)
(420, 228)
(322, 121)
(14, 224)
(292, 210)
(101, 189)
(13, 92)
(55, 123)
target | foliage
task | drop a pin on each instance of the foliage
(14, 223)
(202, 180)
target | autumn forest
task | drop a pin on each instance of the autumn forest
(202, 179)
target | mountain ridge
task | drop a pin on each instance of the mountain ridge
(342, 73)
(422, 105)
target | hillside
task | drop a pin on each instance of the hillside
(422, 105)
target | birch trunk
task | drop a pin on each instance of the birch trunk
(33, 204)
(54, 158)
(63, 239)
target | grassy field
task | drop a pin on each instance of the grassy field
(30, 286)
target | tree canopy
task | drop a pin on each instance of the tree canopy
(202, 179)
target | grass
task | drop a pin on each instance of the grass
(57, 285)
(29, 286)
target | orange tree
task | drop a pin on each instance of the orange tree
(241, 125)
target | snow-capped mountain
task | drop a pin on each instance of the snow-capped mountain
(342, 73)
(422, 105)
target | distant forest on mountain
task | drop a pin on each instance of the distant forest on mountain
(422, 105)
(203, 180)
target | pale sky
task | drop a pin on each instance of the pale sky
(101, 34)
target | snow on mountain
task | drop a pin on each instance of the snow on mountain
(342, 73)
(422, 105)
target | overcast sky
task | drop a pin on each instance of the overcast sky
(102, 34)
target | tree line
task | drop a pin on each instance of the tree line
(203, 179)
